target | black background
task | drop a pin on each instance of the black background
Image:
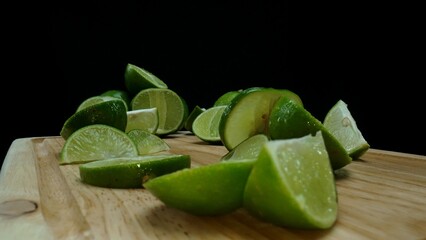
(55, 56)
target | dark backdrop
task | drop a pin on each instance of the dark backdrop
(56, 56)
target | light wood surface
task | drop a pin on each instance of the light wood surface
(381, 196)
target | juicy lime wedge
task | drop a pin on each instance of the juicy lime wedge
(112, 113)
(247, 149)
(290, 120)
(292, 184)
(206, 124)
(94, 100)
(96, 142)
(248, 114)
(120, 94)
(213, 189)
(172, 110)
(342, 126)
(131, 172)
(147, 142)
(137, 79)
(144, 119)
(197, 110)
(226, 98)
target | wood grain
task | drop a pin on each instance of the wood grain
(381, 196)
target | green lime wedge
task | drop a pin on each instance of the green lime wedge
(248, 114)
(96, 142)
(197, 110)
(342, 126)
(147, 142)
(172, 110)
(226, 98)
(112, 113)
(290, 120)
(137, 78)
(131, 172)
(211, 190)
(247, 149)
(120, 94)
(144, 119)
(206, 124)
(93, 100)
(292, 184)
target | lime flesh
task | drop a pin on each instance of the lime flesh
(144, 119)
(247, 149)
(206, 124)
(292, 184)
(147, 142)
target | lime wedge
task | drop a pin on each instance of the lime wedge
(96, 142)
(94, 100)
(112, 113)
(213, 189)
(342, 126)
(120, 94)
(247, 149)
(137, 79)
(226, 98)
(131, 172)
(197, 110)
(292, 184)
(144, 119)
(290, 120)
(172, 110)
(147, 142)
(206, 124)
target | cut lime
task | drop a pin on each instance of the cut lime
(292, 184)
(131, 172)
(121, 94)
(96, 142)
(226, 98)
(248, 114)
(213, 189)
(247, 149)
(290, 120)
(197, 110)
(206, 125)
(112, 113)
(172, 110)
(137, 79)
(147, 142)
(94, 100)
(144, 119)
(342, 126)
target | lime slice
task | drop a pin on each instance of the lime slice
(342, 126)
(121, 94)
(206, 125)
(144, 119)
(96, 142)
(147, 142)
(292, 184)
(197, 110)
(112, 113)
(226, 98)
(248, 114)
(213, 189)
(137, 79)
(290, 120)
(131, 172)
(172, 110)
(247, 149)
(94, 100)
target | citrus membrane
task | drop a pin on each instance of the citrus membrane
(112, 113)
(147, 142)
(211, 190)
(290, 120)
(247, 149)
(197, 110)
(206, 124)
(96, 142)
(172, 110)
(248, 114)
(341, 124)
(131, 172)
(137, 78)
(144, 119)
(292, 184)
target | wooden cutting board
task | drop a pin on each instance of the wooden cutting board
(381, 196)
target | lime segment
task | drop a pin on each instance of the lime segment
(137, 79)
(144, 119)
(147, 142)
(206, 124)
(292, 184)
(96, 142)
(197, 110)
(94, 100)
(247, 149)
